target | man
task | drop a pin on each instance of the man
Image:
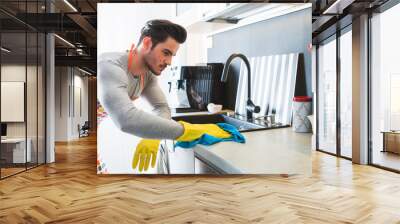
(125, 76)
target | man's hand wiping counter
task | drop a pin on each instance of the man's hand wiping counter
(193, 134)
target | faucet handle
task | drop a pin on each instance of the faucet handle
(252, 107)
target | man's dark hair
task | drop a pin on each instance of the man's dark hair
(159, 30)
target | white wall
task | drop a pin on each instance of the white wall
(196, 49)
(79, 117)
(119, 24)
(82, 82)
(33, 127)
(70, 83)
(61, 103)
(15, 72)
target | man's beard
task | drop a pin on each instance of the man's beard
(147, 64)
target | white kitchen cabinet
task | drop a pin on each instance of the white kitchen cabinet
(213, 8)
(176, 160)
(193, 15)
(180, 161)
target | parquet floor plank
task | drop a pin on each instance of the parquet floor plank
(70, 191)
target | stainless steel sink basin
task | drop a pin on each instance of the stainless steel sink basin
(240, 124)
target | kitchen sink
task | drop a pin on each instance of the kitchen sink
(241, 124)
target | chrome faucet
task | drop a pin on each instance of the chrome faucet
(250, 107)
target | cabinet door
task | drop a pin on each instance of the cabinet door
(211, 8)
(179, 160)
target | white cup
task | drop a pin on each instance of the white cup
(214, 108)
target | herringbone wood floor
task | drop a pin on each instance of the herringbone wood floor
(69, 191)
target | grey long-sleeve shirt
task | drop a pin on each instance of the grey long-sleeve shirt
(117, 88)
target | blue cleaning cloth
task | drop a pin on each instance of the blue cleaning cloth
(206, 139)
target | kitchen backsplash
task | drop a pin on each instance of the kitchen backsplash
(280, 35)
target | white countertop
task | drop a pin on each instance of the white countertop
(273, 151)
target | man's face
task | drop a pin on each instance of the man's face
(160, 56)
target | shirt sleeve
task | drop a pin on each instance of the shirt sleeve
(155, 96)
(113, 96)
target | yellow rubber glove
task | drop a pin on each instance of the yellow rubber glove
(146, 149)
(195, 131)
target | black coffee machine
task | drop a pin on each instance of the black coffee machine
(202, 84)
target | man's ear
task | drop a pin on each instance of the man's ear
(147, 43)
